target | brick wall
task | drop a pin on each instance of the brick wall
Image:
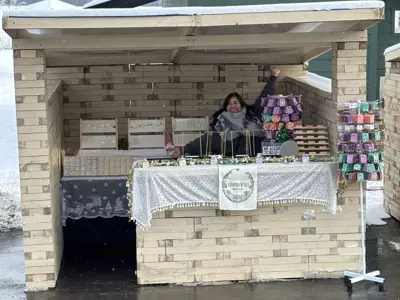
(349, 77)
(319, 109)
(154, 91)
(392, 139)
(55, 127)
(205, 245)
(38, 169)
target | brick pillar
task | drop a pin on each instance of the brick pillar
(349, 82)
(349, 71)
(392, 138)
(36, 204)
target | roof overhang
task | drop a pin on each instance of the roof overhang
(392, 53)
(269, 34)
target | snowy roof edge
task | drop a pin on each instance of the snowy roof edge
(189, 11)
(392, 49)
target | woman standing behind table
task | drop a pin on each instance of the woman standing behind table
(235, 115)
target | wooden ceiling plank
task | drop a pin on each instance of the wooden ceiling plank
(124, 42)
(314, 53)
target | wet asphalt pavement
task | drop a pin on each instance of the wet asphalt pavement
(105, 282)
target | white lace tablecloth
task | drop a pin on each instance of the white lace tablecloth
(160, 188)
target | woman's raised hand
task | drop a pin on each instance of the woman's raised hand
(275, 72)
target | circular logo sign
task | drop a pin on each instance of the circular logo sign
(237, 185)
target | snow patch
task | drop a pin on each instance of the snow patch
(190, 11)
(5, 40)
(10, 201)
(320, 82)
(376, 211)
(394, 246)
(51, 4)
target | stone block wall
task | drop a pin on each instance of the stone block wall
(154, 91)
(55, 126)
(38, 169)
(273, 242)
(392, 139)
(319, 109)
(349, 77)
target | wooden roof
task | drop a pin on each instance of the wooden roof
(270, 34)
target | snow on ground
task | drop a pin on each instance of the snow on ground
(10, 215)
(394, 246)
(10, 203)
(376, 212)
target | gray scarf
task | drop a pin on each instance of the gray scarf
(230, 123)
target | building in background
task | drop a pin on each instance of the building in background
(380, 37)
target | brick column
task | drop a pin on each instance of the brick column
(349, 83)
(36, 204)
(392, 139)
(349, 71)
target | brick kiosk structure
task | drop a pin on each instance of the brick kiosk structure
(392, 125)
(76, 68)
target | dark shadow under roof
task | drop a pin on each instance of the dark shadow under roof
(118, 4)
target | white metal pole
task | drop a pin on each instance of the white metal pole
(364, 258)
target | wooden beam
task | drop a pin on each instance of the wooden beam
(57, 59)
(265, 46)
(98, 22)
(363, 25)
(178, 53)
(90, 59)
(277, 58)
(86, 21)
(125, 42)
(314, 53)
(289, 17)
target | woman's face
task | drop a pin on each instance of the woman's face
(234, 105)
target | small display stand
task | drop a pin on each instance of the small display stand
(281, 111)
(360, 159)
(281, 114)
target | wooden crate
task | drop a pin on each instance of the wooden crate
(146, 138)
(312, 139)
(99, 134)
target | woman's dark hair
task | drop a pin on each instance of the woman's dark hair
(250, 113)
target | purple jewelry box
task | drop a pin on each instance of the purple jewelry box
(277, 110)
(294, 117)
(285, 118)
(271, 102)
(369, 147)
(351, 158)
(288, 110)
(282, 102)
(362, 158)
(354, 137)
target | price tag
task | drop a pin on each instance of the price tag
(271, 150)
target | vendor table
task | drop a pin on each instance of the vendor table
(92, 197)
(160, 188)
